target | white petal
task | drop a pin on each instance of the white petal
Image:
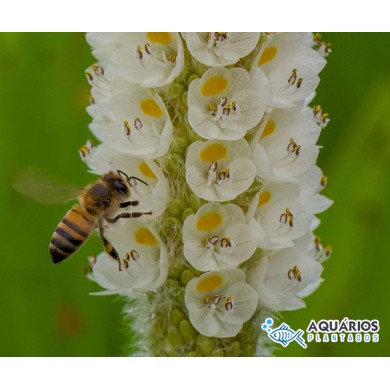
(237, 45)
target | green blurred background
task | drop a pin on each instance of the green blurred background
(47, 310)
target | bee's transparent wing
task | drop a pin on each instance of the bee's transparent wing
(43, 187)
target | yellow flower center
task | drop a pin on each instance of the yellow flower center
(151, 108)
(145, 237)
(268, 55)
(214, 152)
(209, 221)
(264, 198)
(163, 38)
(146, 171)
(214, 85)
(209, 283)
(269, 128)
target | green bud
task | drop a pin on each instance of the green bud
(192, 354)
(186, 277)
(181, 295)
(205, 345)
(173, 342)
(195, 202)
(170, 224)
(218, 353)
(176, 207)
(175, 270)
(250, 350)
(186, 213)
(187, 331)
(234, 349)
(192, 78)
(176, 316)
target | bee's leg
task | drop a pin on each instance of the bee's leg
(136, 214)
(129, 203)
(110, 250)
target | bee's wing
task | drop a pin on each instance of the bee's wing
(43, 187)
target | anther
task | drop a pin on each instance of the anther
(297, 150)
(86, 149)
(291, 80)
(132, 182)
(223, 101)
(126, 260)
(324, 180)
(226, 111)
(137, 124)
(229, 303)
(294, 273)
(89, 76)
(172, 58)
(291, 146)
(299, 82)
(287, 217)
(317, 243)
(148, 48)
(213, 109)
(224, 175)
(328, 250)
(212, 302)
(134, 255)
(211, 242)
(227, 242)
(211, 174)
(126, 128)
(98, 69)
(235, 106)
(138, 54)
(283, 218)
(92, 100)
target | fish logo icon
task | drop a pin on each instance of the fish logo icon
(283, 334)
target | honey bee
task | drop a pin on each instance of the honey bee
(99, 202)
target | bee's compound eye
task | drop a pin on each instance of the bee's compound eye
(120, 186)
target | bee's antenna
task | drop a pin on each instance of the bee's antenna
(122, 173)
(133, 178)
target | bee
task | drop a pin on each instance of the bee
(100, 202)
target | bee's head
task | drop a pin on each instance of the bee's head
(122, 182)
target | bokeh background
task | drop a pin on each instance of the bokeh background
(46, 310)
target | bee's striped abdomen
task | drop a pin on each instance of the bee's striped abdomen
(70, 233)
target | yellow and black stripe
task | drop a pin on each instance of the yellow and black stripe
(70, 233)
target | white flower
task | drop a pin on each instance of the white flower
(220, 48)
(150, 59)
(217, 237)
(226, 103)
(284, 277)
(153, 196)
(136, 122)
(219, 170)
(286, 146)
(291, 66)
(220, 302)
(145, 260)
(311, 183)
(279, 215)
